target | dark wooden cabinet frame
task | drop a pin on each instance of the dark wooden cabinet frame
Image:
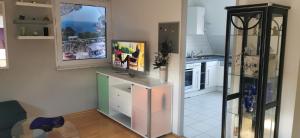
(245, 13)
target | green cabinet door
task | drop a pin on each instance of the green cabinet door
(103, 94)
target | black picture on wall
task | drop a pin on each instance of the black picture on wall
(169, 32)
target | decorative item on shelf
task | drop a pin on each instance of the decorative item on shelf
(250, 49)
(22, 17)
(35, 33)
(46, 19)
(251, 66)
(32, 20)
(162, 59)
(46, 31)
(275, 31)
(249, 97)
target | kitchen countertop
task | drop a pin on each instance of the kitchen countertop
(205, 58)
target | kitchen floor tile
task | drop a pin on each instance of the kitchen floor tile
(203, 135)
(202, 117)
(190, 132)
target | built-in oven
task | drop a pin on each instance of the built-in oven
(189, 77)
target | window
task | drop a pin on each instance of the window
(3, 42)
(81, 34)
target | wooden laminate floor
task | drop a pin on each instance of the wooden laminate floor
(92, 124)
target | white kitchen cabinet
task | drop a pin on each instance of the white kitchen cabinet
(196, 78)
(195, 20)
(212, 63)
(220, 77)
(212, 74)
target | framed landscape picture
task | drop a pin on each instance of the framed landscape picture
(82, 33)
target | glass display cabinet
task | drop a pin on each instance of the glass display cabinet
(254, 56)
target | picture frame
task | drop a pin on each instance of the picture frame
(61, 63)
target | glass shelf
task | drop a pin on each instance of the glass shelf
(253, 35)
(245, 76)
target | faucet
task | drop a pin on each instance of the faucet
(192, 54)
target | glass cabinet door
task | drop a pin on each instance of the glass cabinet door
(250, 64)
(273, 75)
(243, 70)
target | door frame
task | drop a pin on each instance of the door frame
(182, 50)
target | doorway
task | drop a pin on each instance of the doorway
(203, 83)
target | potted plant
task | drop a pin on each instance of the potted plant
(162, 59)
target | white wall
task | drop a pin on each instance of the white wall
(296, 125)
(138, 20)
(215, 26)
(198, 44)
(215, 14)
(33, 80)
(291, 68)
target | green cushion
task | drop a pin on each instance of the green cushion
(10, 113)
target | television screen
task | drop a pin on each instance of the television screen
(83, 30)
(128, 55)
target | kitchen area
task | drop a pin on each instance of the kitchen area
(203, 74)
(204, 68)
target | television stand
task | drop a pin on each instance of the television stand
(132, 75)
(142, 104)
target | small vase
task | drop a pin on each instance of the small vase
(163, 74)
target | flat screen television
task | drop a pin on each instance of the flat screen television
(128, 55)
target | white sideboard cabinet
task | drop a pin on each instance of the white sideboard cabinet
(141, 104)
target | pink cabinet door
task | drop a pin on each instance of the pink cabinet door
(160, 110)
(139, 109)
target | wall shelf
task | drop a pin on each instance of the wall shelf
(38, 5)
(35, 22)
(35, 37)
